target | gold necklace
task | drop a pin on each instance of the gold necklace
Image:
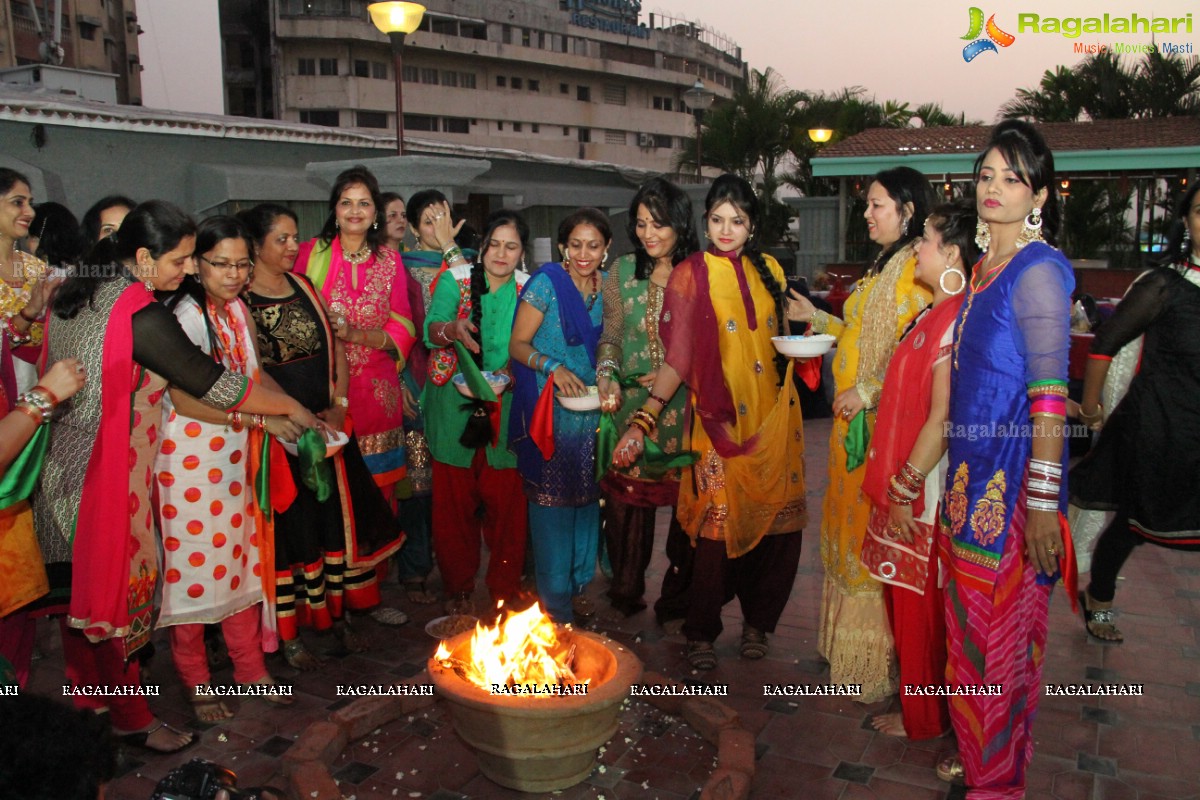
(358, 256)
(978, 284)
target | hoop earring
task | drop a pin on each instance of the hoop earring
(1031, 229)
(962, 281)
(983, 236)
(566, 261)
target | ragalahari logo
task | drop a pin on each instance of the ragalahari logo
(995, 36)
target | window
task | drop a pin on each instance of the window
(535, 127)
(420, 122)
(379, 70)
(87, 32)
(506, 34)
(329, 66)
(372, 119)
(541, 40)
(307, 66)
(584, 134)
(583, 93)
(614, 137)
(516, 127)
(667, 104)
(500, 125)
(449, 78)
(315, 116)
(456, 125)
(526, 37)
(446, 27)
(563, 43)
(566, 131)
(564, 88)
(429, 75)
(535, 85)
(661, 140)
(501, 81)
(516, 82)
(466, 80)
(362, 69)
(411, 74)
(472, 30)
(614, 94)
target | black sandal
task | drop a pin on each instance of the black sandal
(1103, 617)
(701, 655)
(754, 643)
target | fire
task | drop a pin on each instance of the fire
(520, 649)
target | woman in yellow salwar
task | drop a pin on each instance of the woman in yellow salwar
(854, 635)
(743, 503)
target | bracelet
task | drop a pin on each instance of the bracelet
(453, 253)
(235, 419)
(1035, 504)
(260, 422)
(38, 400)
(644, 420)
(1097, 414)
(15, 336)
(549, 365)
(532, 356)
(641, 424)
(30, 320)
(49, 394)
(658, 399)
(31, 411)
(652, 412)
(1050, 468)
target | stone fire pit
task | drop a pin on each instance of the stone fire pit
(543, 743)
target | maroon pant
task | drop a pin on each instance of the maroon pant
(103, 664)
(761, 580)
(479, 500)
(919, 630)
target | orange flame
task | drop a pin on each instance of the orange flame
(521, 649)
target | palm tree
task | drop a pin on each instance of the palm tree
(1168, 86)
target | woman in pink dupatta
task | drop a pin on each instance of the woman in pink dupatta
(363, 281)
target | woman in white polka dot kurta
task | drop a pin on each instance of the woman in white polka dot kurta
(211, 566)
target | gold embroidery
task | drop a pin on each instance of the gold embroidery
(387, 394)
(956, 501)
(989, 517)
(375, 443)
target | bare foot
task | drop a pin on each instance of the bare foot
(274, 698)
(891, 724)
(417, 593)
(207, 708)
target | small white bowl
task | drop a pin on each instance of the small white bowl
(589, 402)
(332, 445)
(804, 346)
(497, 380)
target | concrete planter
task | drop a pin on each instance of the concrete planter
(540, 744)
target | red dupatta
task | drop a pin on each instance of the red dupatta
(101, 539)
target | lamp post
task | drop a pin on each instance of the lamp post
(699, 100)
(820, 135)
(397, 20)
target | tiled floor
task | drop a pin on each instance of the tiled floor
(1118, 748)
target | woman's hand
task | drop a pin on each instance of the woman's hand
(901, 523)
(630, 448)
(41, 294)
(1043, 540)
(282, 428)
(335, 417)
(847, 404)
(303, 417)
(444, 229)
(460, 331)
(567, 383)
(798, 307)
(64, 378)
(647, 380)
(610, 394)
(408, 403)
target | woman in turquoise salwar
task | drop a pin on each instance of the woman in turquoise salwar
(555, 334)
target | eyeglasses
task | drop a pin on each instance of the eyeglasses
(224, 266)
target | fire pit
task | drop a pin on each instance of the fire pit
(533, 731)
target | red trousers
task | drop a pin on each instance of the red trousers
(103, 665)
(472, 501)
(243, 637)
(919, 630)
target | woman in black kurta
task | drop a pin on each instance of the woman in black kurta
(1146, 466)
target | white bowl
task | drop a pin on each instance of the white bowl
(333, 443)
(589, 402)
(804, 346)
(497, 380)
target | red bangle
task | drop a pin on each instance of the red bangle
(49, 394)
(660, 401)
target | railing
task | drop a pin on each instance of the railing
(356, 9)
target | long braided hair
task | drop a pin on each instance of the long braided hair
(478, 432)
(730, 188)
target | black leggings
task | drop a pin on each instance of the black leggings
(1112, 550)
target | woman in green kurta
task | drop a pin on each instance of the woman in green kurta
(473, 470)
(630, 353)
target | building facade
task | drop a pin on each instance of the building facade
(90, 35)
(581, 79)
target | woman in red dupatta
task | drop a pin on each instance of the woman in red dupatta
(906, 468)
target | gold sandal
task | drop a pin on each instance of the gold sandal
(951, 770)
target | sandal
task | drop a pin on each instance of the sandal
(208, 708)
(701, 655)
(460, 605)
(951, 770)
(754, 643)
(416, 592)
(142, 739)
(392, 617)
(1099, 623)
(352, 641)
(298, 657)
(583, 608)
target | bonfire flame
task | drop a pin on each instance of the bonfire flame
(520, 649)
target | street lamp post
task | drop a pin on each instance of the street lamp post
(699, 100)
(397, 20)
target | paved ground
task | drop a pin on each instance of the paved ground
(1123, 748)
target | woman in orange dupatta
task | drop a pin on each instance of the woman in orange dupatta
(743, 503)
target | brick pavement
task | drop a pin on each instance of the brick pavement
(1120, 748)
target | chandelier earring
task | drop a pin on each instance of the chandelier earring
(522, 262)
(1031, 229)
(375, 225)
(566, 261)
(962, 281)
(337, 224)
(904, 227)
(603, 260)
(983, 236)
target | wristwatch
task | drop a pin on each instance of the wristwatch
(344, 402)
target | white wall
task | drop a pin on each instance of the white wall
(181, 51)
